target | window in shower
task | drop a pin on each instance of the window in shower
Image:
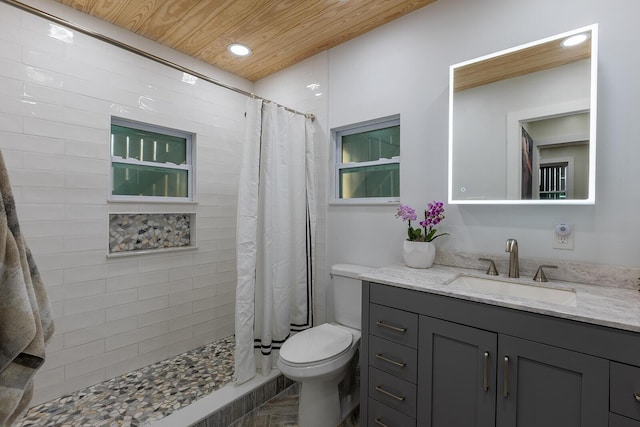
(150, 163)
(367, 162)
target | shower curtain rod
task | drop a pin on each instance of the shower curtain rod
(132, 49)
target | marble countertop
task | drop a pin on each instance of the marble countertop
(595, 304)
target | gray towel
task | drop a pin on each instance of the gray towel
(26, 322)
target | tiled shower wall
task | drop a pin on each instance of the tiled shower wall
(113, 314)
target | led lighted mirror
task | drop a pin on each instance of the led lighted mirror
(522, 124)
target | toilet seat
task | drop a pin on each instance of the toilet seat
(316, 345)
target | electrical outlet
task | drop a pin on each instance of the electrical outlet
(563, 236)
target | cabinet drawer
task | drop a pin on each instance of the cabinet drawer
(381, 415)
(393, 324)
(393, 358)
(616, 420)
(392, 391)
(624, 381)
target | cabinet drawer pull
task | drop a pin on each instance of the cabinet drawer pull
(485, 381)
(636, 394)
(378, 421)
(393, 328)
(505, 383)
(396, 397)
(393, 362)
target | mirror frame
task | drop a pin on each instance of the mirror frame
(593, 102)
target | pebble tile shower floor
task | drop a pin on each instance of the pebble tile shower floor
(142, 396)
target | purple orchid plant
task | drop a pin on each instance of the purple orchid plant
(433, 215)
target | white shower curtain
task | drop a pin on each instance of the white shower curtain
(275, 236)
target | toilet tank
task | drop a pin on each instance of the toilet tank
(347, 294)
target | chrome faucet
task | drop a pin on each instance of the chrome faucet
(514, 265)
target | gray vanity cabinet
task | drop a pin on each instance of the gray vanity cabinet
(616, 420)
(457, 380)
(471, 377)
(542, 385)
(485, 365)
(393, 366)
(624, 384)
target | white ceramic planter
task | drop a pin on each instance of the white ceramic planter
(418, 254)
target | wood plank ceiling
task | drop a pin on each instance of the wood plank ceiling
(280, 32)
(523, 61)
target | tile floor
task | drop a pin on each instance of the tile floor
(282, 411)
(138, 398)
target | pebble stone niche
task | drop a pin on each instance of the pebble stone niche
(147, 231)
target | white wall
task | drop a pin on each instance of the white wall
(114, 315)
(403, 68)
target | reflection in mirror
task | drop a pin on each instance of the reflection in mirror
(522, 124)
(557, 149)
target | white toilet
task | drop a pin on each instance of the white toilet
(318, 358)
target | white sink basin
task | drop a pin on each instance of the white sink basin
(513, 289)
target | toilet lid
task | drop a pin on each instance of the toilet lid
(318, 343)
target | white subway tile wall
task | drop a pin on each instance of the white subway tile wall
(113, 315)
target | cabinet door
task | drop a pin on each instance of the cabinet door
(456, 375)
(542, 386)
(616, 420)
(624, 390)
(381, 415)
(394, 359)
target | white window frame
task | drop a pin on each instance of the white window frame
(337, 135)
(189, 166)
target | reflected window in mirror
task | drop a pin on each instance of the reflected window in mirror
(555, 158)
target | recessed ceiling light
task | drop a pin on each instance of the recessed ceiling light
(239, 49)
(575, 40)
